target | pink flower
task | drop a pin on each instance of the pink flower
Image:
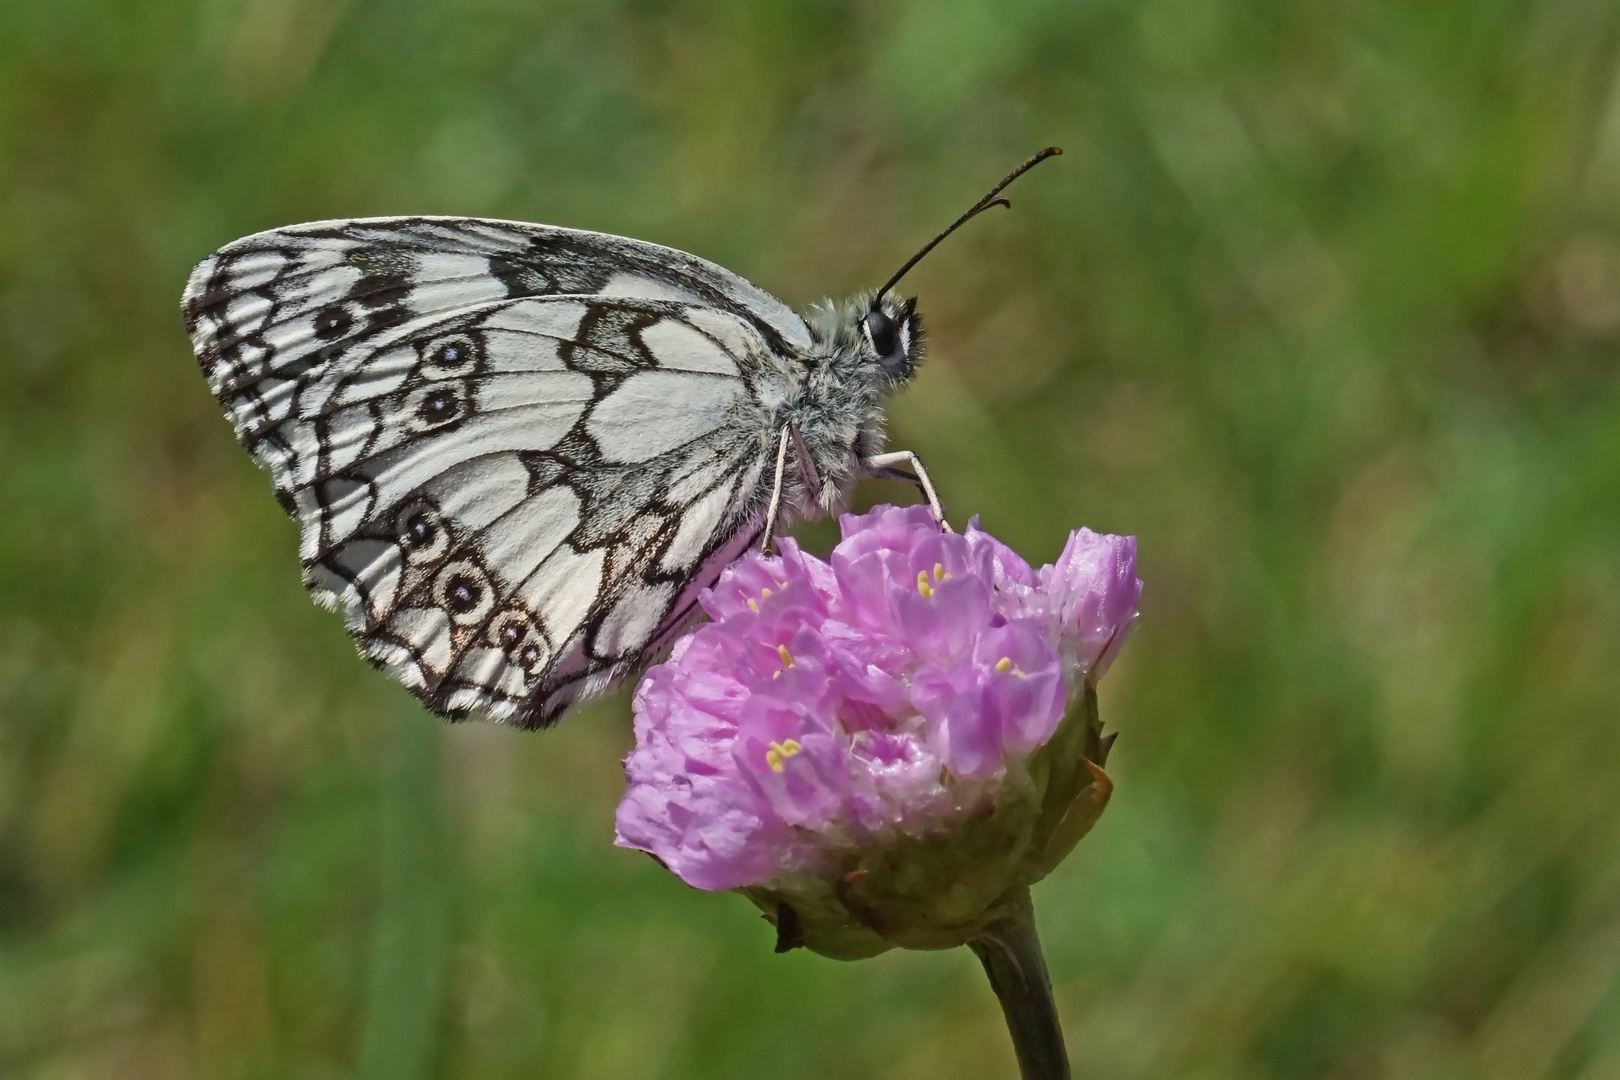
(835, 707)
(1093, 590)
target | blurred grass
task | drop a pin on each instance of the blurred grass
(1322, 302)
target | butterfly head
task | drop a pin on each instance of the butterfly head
(892, 333)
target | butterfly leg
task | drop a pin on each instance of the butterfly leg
(776, 492)
(807, 464)
(882, 467)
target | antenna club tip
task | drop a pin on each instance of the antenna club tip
(1052, 151)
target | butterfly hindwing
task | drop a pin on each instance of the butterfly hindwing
(512, 496)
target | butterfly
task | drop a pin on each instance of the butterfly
(517, 453)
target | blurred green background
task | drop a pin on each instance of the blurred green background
(1322, 302)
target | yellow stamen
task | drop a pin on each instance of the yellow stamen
(1004, 664)
(753, 606)
(940, 574)
(764, 594)
(922, 584)
(787, 657)
(779, 752)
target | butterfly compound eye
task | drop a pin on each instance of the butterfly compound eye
(880, 332)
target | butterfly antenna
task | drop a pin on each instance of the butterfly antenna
(992, 198)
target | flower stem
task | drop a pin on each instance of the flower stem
(1011, 954)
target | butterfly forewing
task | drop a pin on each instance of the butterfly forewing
(515, 452)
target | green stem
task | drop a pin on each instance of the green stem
(1011, 954)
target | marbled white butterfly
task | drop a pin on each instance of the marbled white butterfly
(517, 452)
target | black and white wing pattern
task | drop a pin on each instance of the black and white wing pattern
(516, 452)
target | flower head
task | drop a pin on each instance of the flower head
(871, 740)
